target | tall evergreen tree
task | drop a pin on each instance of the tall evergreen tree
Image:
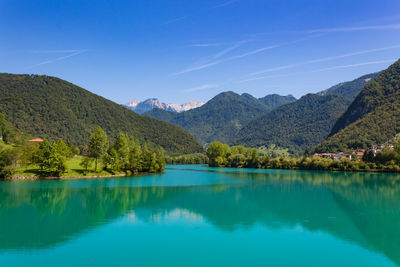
(98, 145)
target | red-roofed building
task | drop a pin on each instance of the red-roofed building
(36, 140)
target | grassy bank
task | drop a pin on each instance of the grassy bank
(73, 170)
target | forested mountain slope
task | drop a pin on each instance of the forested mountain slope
(373, 117)
(273, 101)
(53, 108)
(352, 88)
(219, 119)
(296, 126)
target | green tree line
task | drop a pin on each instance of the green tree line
(197, 158)
(223, 155)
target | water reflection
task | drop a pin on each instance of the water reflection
(360, 208)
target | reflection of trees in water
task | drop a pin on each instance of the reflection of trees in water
(41, 217)
(361, 208)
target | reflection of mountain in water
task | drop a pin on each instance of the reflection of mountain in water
(360, 208)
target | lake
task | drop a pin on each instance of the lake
(198, 216)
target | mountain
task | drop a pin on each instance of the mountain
(53, 108)
(186, 106)
(372, 118)
(219, 119)
(350, 89)
(273, 101)
(296, 126)
(152, 103)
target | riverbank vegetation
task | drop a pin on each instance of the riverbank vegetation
(223, 155)
(125, 156)
(197, 158)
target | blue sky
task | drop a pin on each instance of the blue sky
(181, 50)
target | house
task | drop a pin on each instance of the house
(36, 140)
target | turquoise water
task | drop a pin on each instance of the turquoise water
(195, 215)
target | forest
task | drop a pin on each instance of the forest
(99, 156)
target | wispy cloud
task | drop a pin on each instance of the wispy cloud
(250, 53)
(200, 88)
(176, 19)
(356, 65)
(353, 29)
(227, 3)
(199, 67)
(333, 30)
(264, 77)
(231, 48)
(204, 45)
(321, 70)
(325, 59)
(72, 53)
(56, 51)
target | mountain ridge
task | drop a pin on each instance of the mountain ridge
(151, 103)
(350, 89)
(296, 126)
(372, 119)
(52, 108)
(219, 119)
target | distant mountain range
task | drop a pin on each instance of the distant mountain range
(273, 119)
(305, 123)
(221, 118)
(151, 103)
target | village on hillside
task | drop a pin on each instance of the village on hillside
(358, 155)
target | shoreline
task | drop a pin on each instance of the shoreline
(20, 177)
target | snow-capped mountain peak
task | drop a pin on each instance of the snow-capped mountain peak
(151, 103)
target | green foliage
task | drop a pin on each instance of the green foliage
(296, 126)
(217, 154)
(383, 157)
(55, 109)
(52, 157)
(274, 151)
(9, 133)
(373, 118)
(350, 89)
(126, 155)
(9, 162)
(86, 163)
(98, 145)
(197, 158)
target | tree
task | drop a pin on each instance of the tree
(9, 162)
(135, 162)
(237, 160)
(369, 156)
(160, 159)
(113, 161)
(98, 145)
(121, 148)
(52, 157)
(86, 163)
(217, 154)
